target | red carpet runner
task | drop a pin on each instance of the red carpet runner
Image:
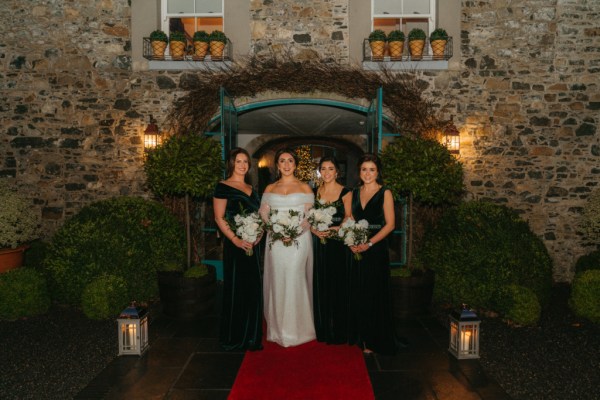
(311, 371)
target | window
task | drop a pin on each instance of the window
(403, 15)
(190, 16)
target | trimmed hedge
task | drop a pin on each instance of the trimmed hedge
(588, 261)
(585, 295)
(128, 237)
(519, 304)
(478, 248)
(23, 293)
(105, 297)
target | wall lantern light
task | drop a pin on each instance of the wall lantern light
(151, 136)
(132, 330)
(452, 138)
(464, 333)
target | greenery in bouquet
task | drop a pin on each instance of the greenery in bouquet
(354, 233)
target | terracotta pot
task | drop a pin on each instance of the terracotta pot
(396, 48)
(377, 49)
(177, 50)
(416, 49)
(438, 47)
(158, 49)
(12, 258)
(216, 50)
(200, 50)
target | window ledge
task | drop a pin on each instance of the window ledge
(424, 65)
(169, 65)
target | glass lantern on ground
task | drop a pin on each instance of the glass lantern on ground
(464, 334)
(132, 330)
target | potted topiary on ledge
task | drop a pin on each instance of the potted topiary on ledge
(217, 42)
(438, 40)
(416, 43)
(377, 40)
(158, 41)
(177, 45)
(201, 40)
(395, 41)
(19, 225)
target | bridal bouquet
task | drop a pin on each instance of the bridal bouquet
(285, 224)
(248, 227)
(354, 233)
(321, 218)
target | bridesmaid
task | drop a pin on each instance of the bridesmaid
(241, 318)
(374, 202)
(330, 285)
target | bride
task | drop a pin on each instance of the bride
(287, 285)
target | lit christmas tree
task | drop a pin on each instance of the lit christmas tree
(307, 168)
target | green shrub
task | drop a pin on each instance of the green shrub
(590, 217)
(519, 304)
(395, 36)
(585, 295)
(439, 34)
(177, 36)
(477, 248)
(217, 36)
(159, 35)
(201, 36)
(105, 297)
(23, 293)
(588, 261)
(416, 34)
(197, 271)
(125, 236)
(377, 36)
(34, 256)
(19, 223)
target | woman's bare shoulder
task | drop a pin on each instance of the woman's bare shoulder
(269, 188)
(305, 188)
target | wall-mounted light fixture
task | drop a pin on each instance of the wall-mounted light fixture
(151, 135)
(452, 138)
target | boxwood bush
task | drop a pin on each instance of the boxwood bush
(588, 261)
(585, 295)
(519, 305)
(125, 236)
(23, 293)
(105, 297)
(478, 248)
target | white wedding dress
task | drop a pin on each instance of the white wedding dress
(288, 279)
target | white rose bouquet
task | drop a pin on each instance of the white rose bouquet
(285, 225)
(320, 218)
(248, 227)
(354, 233)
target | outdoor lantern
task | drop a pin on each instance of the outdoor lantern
(452, 137)
(151, 136)
(132, 330)
(464, 333)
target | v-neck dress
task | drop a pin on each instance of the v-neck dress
(373, 324)
(242, 310)
(330, 283)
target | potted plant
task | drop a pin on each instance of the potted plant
(177, 44)
(395, 41)
(438, 40)
(186, 167)
(217, 42)
(377, 40)
(18, 226)
(424, 171)
(158, 41)
(416, 43)
(200, 39)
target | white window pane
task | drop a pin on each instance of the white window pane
(416, 7)
(180, 6)
(209, 6)
(387, 6)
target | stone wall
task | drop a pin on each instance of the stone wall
(525, 98)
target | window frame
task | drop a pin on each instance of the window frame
(431, 17)
(165, 16)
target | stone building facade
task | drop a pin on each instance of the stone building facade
(523, 86)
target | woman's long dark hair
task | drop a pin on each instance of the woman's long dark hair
(278, 154)
(370, 157)
(233, 153)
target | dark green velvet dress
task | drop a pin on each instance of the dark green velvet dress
(330, 284)
(242, 312)
(373, 325)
